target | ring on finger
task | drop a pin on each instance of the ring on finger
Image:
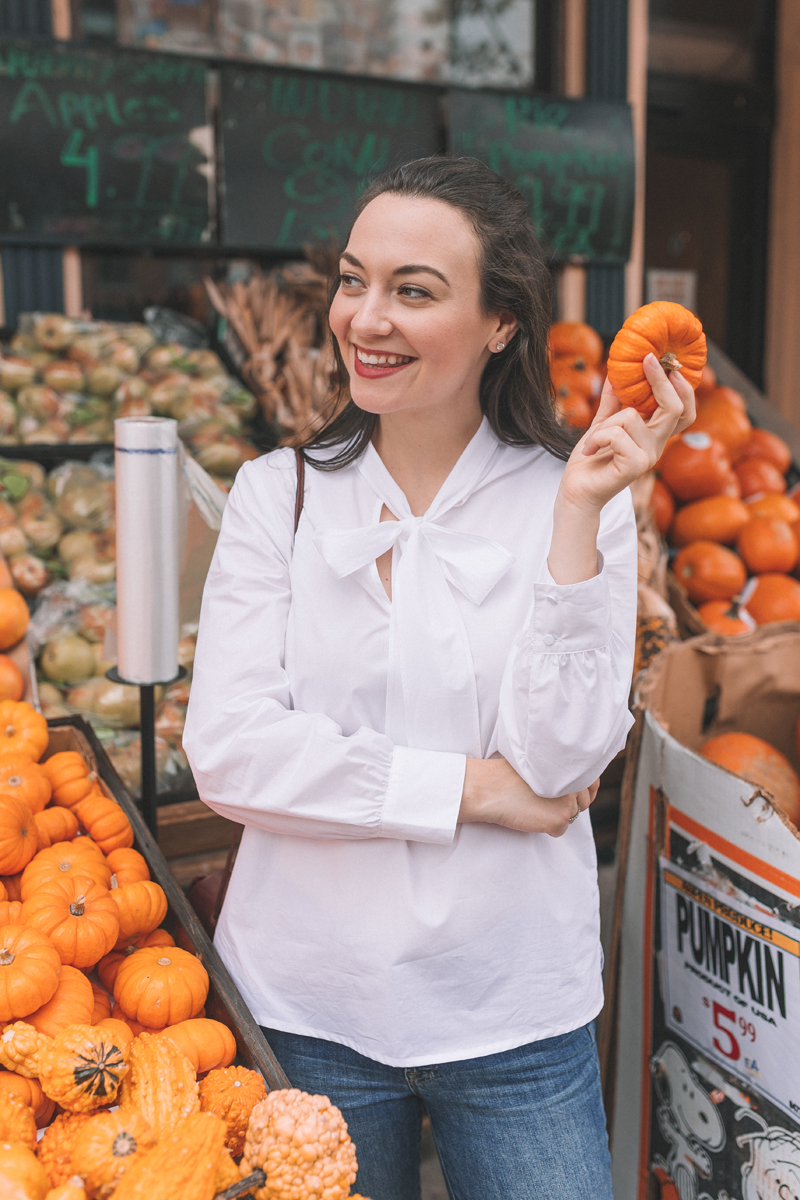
(577, 814)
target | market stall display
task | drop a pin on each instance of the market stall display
(64, 381)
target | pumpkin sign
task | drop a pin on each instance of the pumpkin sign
(667, 330)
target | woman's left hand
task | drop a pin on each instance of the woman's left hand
(620, 446)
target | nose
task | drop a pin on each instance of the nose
(371, 318)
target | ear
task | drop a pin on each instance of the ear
(507, 325)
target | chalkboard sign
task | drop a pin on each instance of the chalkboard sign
(299, 148)
(573, 160)
(102, 146)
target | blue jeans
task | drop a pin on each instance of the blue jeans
(527, 1124)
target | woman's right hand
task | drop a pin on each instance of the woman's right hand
(495, 794)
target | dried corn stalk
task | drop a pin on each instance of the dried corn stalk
(281, 322)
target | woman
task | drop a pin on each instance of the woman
(408, 705)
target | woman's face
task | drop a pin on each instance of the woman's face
(407, 314)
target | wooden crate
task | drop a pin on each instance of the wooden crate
(224, 1002)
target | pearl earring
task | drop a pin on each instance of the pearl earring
(500, 346)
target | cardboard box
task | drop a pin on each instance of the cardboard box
(701, 1049)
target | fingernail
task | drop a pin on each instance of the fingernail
(651, 357)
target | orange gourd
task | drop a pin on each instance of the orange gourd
(72, 1003)
(10, 912)
(725, 422)
(726, 617)
(22, 729)
(161, 1084)
(713, 519)
(29, 971)
(16, 1121)
(105, 822)
(141, 906)
(232, 1093)
(129, 866)
(767, 544)
(775, 597)
(29, 1092)
(662, 503)
(20, 1047)
(161, 985)
(694, 466)
(207, 1044)
(667, 330)
(766, 445)
(12, 681)
(24, 780)
(577, 342)
(55, 825)
(709, 571)
(758, 762)
(783, 508)
(73, 1189)
(70, 776)
(82, 1068)
(119, 1030)
(80, 857)
(78, 914)
(14, 617)
(106, 1146)
(182, 1164)
(757, 475)
(292, 1135)
(21, 1175)
(54, 1151)
(18, 837)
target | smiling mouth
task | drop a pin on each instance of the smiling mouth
(372, 358)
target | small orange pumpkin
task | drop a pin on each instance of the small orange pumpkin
(120, 1030)
(775, 597)
(161, 985)
(25, 780)
(207, 1044)
(667, 330)
(129, 866)
(18, 837)
(80, 857)
(726, 617)
(55, 825)
(78, 914)
(102, 1005)
(12, 681)
(29, 971)
(783, 508)
(712, 519)
(72, 1003)
(695, 465)
(22, 729)
(662, 503)
(10, 912)
(82, 1068)
(725, 422)
(577, 342)
(29, 1092)
(232, 1093)
(70, 776)
(757, 475)
(709, 571)
(107, 967)
(767, 544)
(106, 1146)
(14, 617)
(764, 444)
(141, 906)
(105, 822)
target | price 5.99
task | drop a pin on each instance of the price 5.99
(732, 1029)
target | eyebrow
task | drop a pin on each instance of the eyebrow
(411, 269)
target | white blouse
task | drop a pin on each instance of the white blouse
(335, 724)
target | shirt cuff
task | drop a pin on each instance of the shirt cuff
(423, 797)
(571, 617)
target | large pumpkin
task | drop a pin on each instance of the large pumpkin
(80, 857)
(78, 914)
(72, 1003)
(161, 985)
(667, 330)
(758, 762)
(29, 971)
(107, 1146)
(22, 729)
(25, 780)
(82, 1068)
(18, 837)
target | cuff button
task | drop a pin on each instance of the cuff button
(548, 639)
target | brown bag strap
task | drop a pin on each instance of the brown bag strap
(237, 837)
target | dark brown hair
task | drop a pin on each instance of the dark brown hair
(515, 390)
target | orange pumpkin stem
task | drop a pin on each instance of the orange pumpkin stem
(78, 906)
(669, 362)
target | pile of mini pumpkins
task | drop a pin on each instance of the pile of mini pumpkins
(721, 500)
(104, 1043)
(577, 371)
